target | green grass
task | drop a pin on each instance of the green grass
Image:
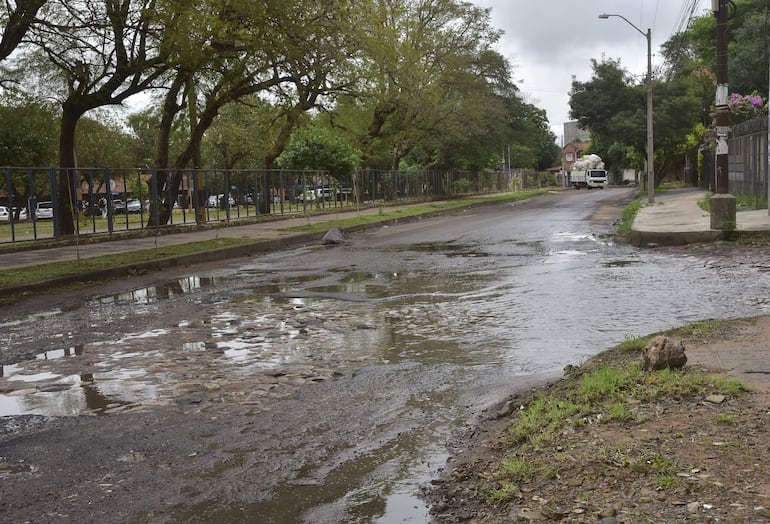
(701, 328)
(633, 344)
(603, 393)
(627, 219)
(44, 272)
(742, 203)
(727, 420)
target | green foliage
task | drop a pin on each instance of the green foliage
(628, 217)
(605, 390)
(502, 493)
(28, 134)
(613, 106)
(601, 384)
(727, 420)
(102, 142)
(514, 468)
(317, 148)
(619, 411)
(461, 185)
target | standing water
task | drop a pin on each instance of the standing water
(351, 367)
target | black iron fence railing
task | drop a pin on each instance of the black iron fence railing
(111, 200)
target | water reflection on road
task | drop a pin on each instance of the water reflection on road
(494, 294)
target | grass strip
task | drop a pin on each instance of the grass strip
(53, 270)
(602, 393)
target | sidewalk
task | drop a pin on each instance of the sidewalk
(675, 219)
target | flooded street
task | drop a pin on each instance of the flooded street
(323, 383)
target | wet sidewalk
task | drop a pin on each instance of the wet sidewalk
(675, 219)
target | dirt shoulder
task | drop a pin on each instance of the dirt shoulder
(680, 459)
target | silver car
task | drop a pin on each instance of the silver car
(44, 210)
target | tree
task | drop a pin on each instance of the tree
(102, 142)
(101, 53)
(316, 148)
(235, 139)
(28, 133)
(292, 52)
(615, 112)
(16, 21)
(27, 138)
(428, 78)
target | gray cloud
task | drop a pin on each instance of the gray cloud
(549, 41)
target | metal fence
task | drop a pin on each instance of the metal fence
(747, 162)
(109, 201)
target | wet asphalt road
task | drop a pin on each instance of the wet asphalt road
(324, 384)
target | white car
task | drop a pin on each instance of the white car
(6, 213)
(216, 200)
(44, 210)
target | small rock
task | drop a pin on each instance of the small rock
(506, 410)
(716, 399)
(610, 511)
(333, 236)
(530, 515)
(663, 352)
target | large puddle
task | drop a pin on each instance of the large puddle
(529, 307)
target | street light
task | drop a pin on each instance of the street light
(650, 168)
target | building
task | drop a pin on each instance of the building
(573, 133)
(576, 141)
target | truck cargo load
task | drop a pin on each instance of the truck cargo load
(588, 172)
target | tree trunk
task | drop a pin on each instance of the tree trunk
(65, 201)
(161, 207)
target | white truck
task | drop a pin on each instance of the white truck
(588, 172)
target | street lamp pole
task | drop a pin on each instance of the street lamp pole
(650, 155)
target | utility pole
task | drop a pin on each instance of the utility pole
(722, 204)
(650, 152)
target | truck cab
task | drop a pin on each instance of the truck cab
(589, 178)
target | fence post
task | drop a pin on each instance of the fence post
(54, 200)
(200, 198)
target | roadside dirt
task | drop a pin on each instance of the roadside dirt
(680, 460)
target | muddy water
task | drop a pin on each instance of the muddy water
(358, 362)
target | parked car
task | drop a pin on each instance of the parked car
(91, 209)
(133, 206)
(22, 214)
(118, 207)
(6, 213)
(306, 194)
(218, 201)
(345, 194)
(44, 210)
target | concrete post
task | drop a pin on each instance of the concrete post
(723, 208)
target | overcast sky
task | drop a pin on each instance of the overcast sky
(549, 41)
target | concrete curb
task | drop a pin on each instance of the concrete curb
(673, 238)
